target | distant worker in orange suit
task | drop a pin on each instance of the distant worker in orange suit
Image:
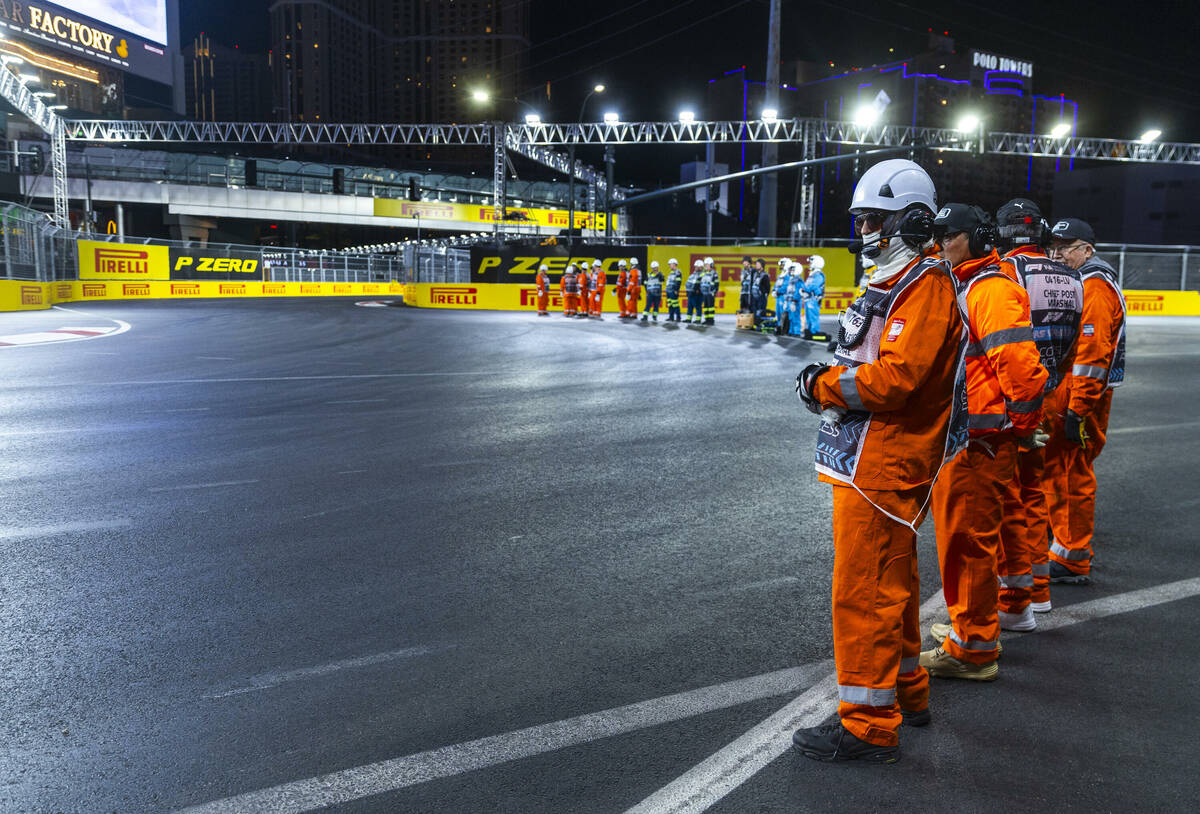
(892, 409)
(597, 283)
(634, 292)
(1082, 406)
(1055, 303)
(1005, 385)
(621, 287)
(543, 291)
(569, 287)
(585, 293)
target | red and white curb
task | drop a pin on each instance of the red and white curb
(64, 334)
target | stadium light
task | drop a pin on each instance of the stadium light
(968, 123)
(480, 95)
(598, 89)
(686, 117)
(1150, 135)
(866, 116)
(1060, 130)
(611, 118)
(770, 115)
(533, 118)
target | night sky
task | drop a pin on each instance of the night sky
(1129, 68)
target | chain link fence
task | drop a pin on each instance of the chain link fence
(36, 249)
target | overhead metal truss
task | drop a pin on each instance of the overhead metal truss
(20, 97)
(281, 133)
(534, 141)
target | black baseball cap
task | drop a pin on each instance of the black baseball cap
(959, 217)
(1018, 210)
(1073, 229)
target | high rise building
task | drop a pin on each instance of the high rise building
(397, 61)
(226, 84)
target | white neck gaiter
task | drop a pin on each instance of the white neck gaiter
(893, 260)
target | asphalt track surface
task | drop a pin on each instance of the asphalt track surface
(449, 561)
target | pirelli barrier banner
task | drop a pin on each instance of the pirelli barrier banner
(100, 260)
(520, 265)
(479, 213)
(16, 295)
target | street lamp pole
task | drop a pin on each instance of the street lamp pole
(571, 173)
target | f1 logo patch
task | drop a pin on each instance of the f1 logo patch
(1089, 329)
(895, 329)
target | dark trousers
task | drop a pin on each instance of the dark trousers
(653, 301)
(673, 308)
(694, 304)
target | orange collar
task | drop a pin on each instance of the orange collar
(969, 268)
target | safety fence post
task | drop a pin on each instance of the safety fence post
(1183, 271)
(1121, 270)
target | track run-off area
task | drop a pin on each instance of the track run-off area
(298, 555)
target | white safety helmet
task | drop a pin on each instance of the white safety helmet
(653, 264)
(596, 264)
(816, 263)
(708, 261)
(571, 267)
(672, 262)
(621, 264)
(699, 264)
(633, 261)
(543, 267)
(893, 186)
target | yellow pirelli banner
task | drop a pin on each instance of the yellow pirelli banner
(480, 213)
(28, 296)
(123, 261)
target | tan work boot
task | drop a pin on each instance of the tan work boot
(940, 630)
(940, 663)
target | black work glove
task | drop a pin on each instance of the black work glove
(1075, 430)
(805, 382)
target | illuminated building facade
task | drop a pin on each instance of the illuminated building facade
(934, 89)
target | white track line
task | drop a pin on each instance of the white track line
(390, 775)
(265, 682)
(708, 782)
(36, 532)
(213, 485)
(694, 791)
(273, 379)
(1180, 426)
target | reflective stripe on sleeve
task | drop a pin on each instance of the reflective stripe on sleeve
(909, 665)
(1090, 372)
(986, 422)
(849, 390)
(866, 696)
(1024, 406)
(1068, 554)
(1041, 569)
(975, 647)
(1008, 336)
(1016, 581)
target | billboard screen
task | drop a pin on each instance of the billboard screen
(142, 18)
(131, 35)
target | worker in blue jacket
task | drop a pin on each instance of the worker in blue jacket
(814, 290)
(783, 285)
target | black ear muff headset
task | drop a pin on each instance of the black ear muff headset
(982, 239)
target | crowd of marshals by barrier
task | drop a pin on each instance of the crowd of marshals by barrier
(972, 377)
(798, 293)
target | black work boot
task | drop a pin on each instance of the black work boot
(916, 717)
(832, 743)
